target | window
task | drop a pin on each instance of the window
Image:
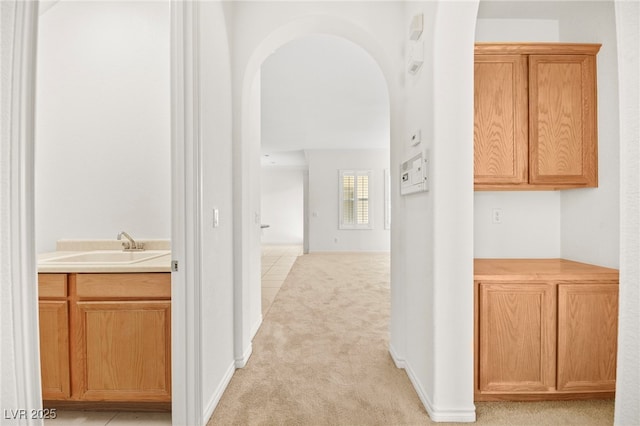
(354, 199)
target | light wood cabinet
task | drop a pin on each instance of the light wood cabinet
(535, 116)
(114, 338)
(123, 337)
(53, 310)
(517, 348)
(544, 329)
(587, 336)
(500, 125)
(124, 351)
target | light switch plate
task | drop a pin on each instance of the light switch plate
(216, 218)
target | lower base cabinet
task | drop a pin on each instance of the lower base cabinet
(108, 340)
(123, 349)
(517, 347)
(587, 337)
(538, 339)
(54, 349)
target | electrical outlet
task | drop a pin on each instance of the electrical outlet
(496, 216)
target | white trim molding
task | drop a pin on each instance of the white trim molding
(256, 327)
(215, 398)
(439, 414)
(186, 227)
(242, 361)
(20, 367)
(397, 360)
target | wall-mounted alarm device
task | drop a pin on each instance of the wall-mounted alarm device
(413, 175)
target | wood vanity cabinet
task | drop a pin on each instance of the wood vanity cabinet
(544, 329)
(53, 307)
(115, 338)
(535, 116)
(122, 337)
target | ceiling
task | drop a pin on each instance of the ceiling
(322, 92)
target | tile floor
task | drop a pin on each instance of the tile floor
(276, 264)
(103, 418)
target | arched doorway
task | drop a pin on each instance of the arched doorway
(247, 166)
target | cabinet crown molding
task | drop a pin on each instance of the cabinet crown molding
(537, 48)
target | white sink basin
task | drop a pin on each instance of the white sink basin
(106, 257)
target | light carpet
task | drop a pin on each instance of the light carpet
(321, 358)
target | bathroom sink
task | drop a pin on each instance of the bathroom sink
(107, 256)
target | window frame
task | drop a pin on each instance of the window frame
(355, 173)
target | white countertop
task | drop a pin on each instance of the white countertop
(61, 261)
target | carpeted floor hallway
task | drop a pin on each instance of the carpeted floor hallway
(321, 358)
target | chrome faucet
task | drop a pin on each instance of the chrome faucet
(130, 245)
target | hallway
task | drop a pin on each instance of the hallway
(321, 356)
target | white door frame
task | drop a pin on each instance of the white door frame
(21, 387)
(186, 221)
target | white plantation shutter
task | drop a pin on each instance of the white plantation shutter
(355, 200)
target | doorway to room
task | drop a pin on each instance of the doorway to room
(324, 108)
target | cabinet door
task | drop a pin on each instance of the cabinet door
(562, 120)
(500, 119)
(124, 350)
(587, 336)
(54, 349)
(517, 339)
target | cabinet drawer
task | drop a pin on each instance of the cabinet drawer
(123, 286)
(52, 286)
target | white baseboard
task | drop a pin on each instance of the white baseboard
(437, 414)
(256, 327)
(215, 398)
(397, 360)
(240, 363)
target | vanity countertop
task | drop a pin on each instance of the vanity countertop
(105, 256)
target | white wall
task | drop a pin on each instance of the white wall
(102, 121)
(437, 226)
(282, 205)
(217, 350)
(255, 220)
(596, 210)
(531, 225)
(324, 232)
(627, 410)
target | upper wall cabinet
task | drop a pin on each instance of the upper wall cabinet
(535, 116)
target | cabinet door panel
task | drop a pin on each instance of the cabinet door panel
(125, 348)
(587, 336)
(562, 114)
(54, 349)
(516, 337)
(500, 119)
